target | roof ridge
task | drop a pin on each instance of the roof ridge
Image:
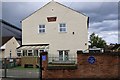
(36, 10)
(54, 2)
(11, 25)
(70, 8)
(6, 39)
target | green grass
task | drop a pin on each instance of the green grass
(22, 68)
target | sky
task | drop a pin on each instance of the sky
(103, 15)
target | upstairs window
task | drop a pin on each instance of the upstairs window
(41, 28)
(62, 27)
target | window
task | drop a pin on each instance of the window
(35, 52)
(30, 52)
(24, 52)
(41, 28)
(62, 27)
(10, 54)
(63, 55)
(19, 53)
(41, 51)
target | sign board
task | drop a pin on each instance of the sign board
(11, 60)
(43, 58)
(91, 59)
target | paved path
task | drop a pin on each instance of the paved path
(21, 73)
(63, 79)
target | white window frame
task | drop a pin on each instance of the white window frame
(42, 28)
(64, 53)
(37, 53)
(20, 51)
(40, 52)
(62, 27)
(29, 52)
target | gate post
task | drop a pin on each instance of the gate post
(43, 65)
(40, 67)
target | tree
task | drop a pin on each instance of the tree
(97, 41)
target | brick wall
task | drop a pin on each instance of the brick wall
(106, 66)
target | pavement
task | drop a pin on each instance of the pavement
(60, 79)
(20, 79)
(14, 73)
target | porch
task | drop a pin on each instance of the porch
(30, 54)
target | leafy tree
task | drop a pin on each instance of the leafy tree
(97, 41)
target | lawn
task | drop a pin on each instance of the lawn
(22, 68)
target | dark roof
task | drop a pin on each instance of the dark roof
(116, 47)
(5, 39)
(11, 25)
(49, 3)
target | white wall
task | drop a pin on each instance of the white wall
(75, 22)
(11, 45)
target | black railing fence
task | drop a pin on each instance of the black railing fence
(62, 60)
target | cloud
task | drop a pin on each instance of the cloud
(103, 15)
(97, 11)
(108, 30)
(0, 10)
(62, 0)
(111, 16)
(14, 12)
(102, 11)
(106, 25)
(110, 36)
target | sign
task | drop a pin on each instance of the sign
(43, 58)
(91, 60)
(11, 60)
(51, 19)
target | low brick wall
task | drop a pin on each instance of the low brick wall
(107, 65)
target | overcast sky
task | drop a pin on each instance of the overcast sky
(103, 15)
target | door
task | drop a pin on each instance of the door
(63, 55)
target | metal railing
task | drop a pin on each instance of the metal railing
(58, 60)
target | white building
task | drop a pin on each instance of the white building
(8, 48)
(10, 39)
(59, 30)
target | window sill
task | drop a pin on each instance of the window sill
(62, 32)
(41, 33)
